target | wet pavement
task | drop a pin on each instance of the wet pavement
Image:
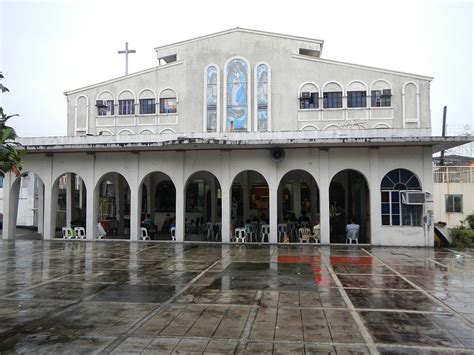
(160, 298)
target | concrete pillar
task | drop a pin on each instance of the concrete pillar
(314, 200)
(92, 208)
(213, 187)
(226, 195)
(375, 197)
(296, 187)
(50, 204)
(11, 194)
(427, 185)
(273, 211)
(69, 197)
(40, 207)
(180, 197)
(245, 195)
(135, 211)
(324, 195)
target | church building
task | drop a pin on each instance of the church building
(238, 128)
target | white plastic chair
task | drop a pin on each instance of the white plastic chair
(317, 234)
(305, 235)
(173, 233)
(352, 234)
(282, 229)
(144, 233)
(240, 235)
(210, 231)
(250, 232)
(265, 232)
(80, 232)
(67, 233)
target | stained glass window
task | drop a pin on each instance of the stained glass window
(211, 101)
(262, 97)
(237, 89)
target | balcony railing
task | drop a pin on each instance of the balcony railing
(453, 174)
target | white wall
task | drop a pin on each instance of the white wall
(439, 192)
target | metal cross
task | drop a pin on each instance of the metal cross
(126, 51)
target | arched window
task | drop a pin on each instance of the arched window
(262, 78)
(212, 98)
(147, 102)
(168, 101)
(380, 94)
(396, 207)
(237, 95)
(332, 94)
(105, 104)
(126, 103)
(309, 96)
(356, 94)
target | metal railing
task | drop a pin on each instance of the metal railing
(453, 174)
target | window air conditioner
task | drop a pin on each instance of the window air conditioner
(305, 95)
(101, 103)
(413, 197)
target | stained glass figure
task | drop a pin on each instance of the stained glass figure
(237, 90)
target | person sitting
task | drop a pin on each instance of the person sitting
(150, 226)
(352, 232)
(101, 233)
(317, 231)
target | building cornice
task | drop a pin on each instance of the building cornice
(365, 67)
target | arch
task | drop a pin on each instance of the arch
(105, 95)
(349, 199)
(393, 187)
(412, 83)
(411, 104)
(201, 172)
(125, 132)
(262, 97)
(309, 84)
(237, 112)
(333, 85)
(167, 131)
(105, 132)
(168, 93)
(81, 113)
(357, 85)
(202, 206)
(108, 174)
(146, 131)
(142, 94)
(333, 92)
(126, 94)
(211, 98)
(332, 127)
(309, 127)
(377, 84)
(168, 98)
(82, 96)
(250, 170)
(382, 125)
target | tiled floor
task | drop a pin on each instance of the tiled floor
(158, 298)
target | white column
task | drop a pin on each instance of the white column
(92, 218)
(50, 204)
(135, 208)
(69, 198)
(427, 185)
(180, 195)
(245, 195)
(213, 187)
(226, 198)
(273, 211)
(11, 194)
(324, 195)
(40, 207)
(375, 197)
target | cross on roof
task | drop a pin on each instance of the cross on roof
(126, 51)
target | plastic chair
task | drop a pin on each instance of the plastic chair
(305, 235)
(317, 234)
(240, 235)
(250, 232)
(210, 231)
(144, 233)
(173, 233)
(67, 233)
(80, 232)
(265, 232)
(352, 234)
(282, 229)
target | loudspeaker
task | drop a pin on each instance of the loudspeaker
(277, 154)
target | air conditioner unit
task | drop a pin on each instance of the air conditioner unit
(413, 197)
(386, 92)
(101, 103)
(305, 95)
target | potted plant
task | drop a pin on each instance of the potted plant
(470, 220)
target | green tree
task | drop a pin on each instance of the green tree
(10, 152)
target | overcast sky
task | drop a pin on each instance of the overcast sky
(48, 47)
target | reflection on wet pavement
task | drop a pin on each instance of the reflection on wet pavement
(120, 297)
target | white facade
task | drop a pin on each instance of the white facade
(219, 105)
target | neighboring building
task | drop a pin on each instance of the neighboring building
(242, 125)
(453, 192)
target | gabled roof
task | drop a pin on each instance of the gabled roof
(243, 30)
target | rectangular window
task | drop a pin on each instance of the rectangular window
(381, 98)
(168, 105)
(356, 99)
(333, 99)
(395, 213)
(147, 106)
(309, 100)
(453, 203)
(126, 107)
(106, 108)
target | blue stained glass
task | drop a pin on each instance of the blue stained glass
(212, 75)
(262, 97)
(263, 120)
(211, 98)
(237, 90)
